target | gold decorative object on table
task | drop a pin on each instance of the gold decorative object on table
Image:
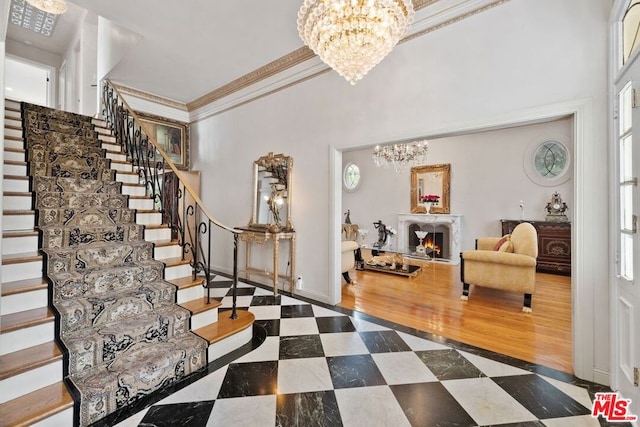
(556, 209)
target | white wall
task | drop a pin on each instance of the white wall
(520, 56)
(487, 181)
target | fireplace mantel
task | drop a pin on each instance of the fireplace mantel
(453, 221)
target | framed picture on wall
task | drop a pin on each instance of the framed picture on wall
(172, 136)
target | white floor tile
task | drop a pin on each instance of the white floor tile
(420, 344)
(268, 350)
(262, 292)
(486, 402)
(323, 312)
(303, 375)
(204, 389)
(343, 344)
(285, 300)
(298, 326)
(370, 406)
(265, 312)
(366, 326)
(491, 368)
(253, 411)
(241, 301)
(403, 368)
(581, 421)
(579, 394)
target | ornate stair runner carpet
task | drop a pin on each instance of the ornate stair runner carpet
(123, 334)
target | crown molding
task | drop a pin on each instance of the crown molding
(150, 97)
(302, 64)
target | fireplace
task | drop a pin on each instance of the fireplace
(443, 240)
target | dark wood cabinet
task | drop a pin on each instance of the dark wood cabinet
(554, 244)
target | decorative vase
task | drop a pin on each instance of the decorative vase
(427, 207)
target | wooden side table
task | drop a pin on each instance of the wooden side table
(259, 236)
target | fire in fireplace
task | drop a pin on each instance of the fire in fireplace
(434, 241)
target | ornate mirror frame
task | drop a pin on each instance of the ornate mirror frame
(272, 178)
(431, 179)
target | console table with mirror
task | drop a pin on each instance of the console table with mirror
(271, 217)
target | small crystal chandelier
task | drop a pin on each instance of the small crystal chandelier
(55, 7)
(352, 36)
(401, 155)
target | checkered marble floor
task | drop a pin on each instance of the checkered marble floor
(321, 367)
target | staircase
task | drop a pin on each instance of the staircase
(121, 315)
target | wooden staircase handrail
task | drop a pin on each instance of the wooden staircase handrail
(168, 161)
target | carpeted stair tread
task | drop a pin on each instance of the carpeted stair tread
(112, 386)
(124, 336)
(91, 347)
(37, 406)
(70, 236)
(97, 311)
(91, 216)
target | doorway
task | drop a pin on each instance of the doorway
(29, 82)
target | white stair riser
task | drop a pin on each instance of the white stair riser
(110, 146)
(21, 270)
(64, 418)
(227, 345)
(24, 301)
(26, 337)
(9, 103)
(116, 156)
(128, 178)
(14, 156)
(157, 234)
(106, 138)
(164, 252)
(13, 132)
(18, 245)
(19, 185)
(13, 114)
(133, 190)
(18, 222)
(13, 121)
(122, 167)
(30, 381)
(12, 143)
(19, 203)
(189, 294)
(154, 218)
(177, 271)
(98, 122)
(20, 170)
(144, 204)
(205, 318)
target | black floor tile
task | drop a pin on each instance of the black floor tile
(266, 300)
(242, 291)
(298, 310)
(430, 404)
(272, 326)
(540, 397)
(300, 346)
(449, 364)
(318, 408)
(328, 325)
(354, 371)
(250, 379)
(192, 414)
(384, 341)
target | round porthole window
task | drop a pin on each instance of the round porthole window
(351, 177)
(547, 162)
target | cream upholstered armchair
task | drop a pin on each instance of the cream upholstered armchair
(348, 258)
(507, 263)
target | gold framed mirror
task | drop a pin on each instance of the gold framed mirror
(272, 193)
(431, 179)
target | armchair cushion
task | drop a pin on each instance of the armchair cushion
(348, 260)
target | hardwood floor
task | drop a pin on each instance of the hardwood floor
(491, 319)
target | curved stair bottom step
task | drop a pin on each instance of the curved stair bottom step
(227, 335)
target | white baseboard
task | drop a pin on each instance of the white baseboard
(601, 377)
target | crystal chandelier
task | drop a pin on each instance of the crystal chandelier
(55, 7)
(402, 155)
(352, 36)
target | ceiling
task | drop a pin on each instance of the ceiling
(187, 50)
